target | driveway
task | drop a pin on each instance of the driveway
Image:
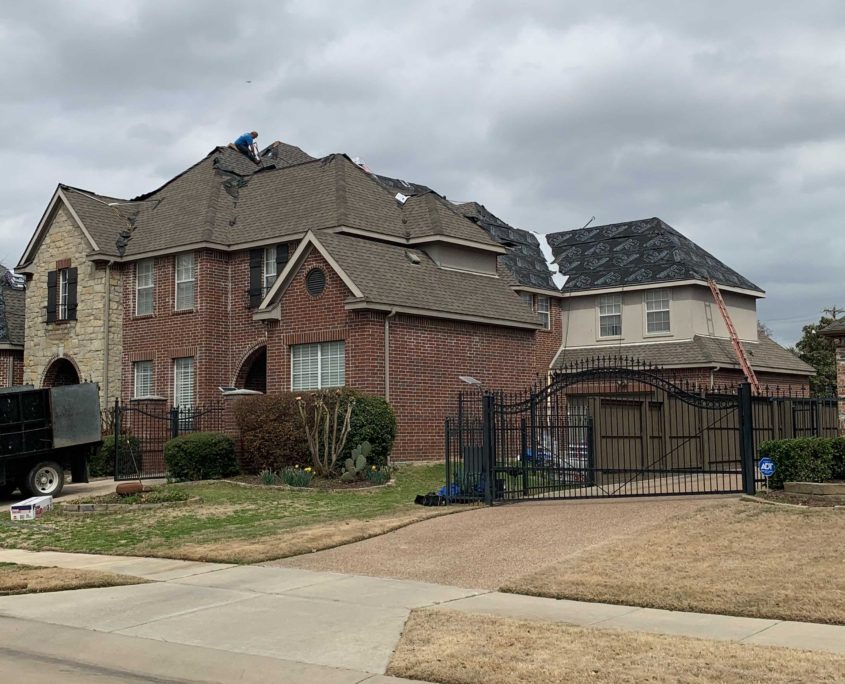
(486, 547)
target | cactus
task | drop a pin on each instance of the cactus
(355, 466)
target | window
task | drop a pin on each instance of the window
(184, 281)
(183, 382)
(143, 379)
(657, 311)
(144, 287)
(268, 274)
(61, 294)
(528, 298)
(544, 309)
(316, 366)
(610, 315)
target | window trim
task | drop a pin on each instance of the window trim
(617, 296)
(646, 311)
(177, 282)
(150, 287)
(320, 346)
(135, 366)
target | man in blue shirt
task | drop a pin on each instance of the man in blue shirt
(246, 144)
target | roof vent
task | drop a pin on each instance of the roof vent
(413, 257)
(401, 198)
(315, 282)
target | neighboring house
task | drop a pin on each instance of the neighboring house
(295, 274)
(12, 307)
(836, 331)
(639, 289)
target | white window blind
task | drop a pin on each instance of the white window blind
(63, 293)
(610, 315)
(269, 270)
(657, 311)
(184, 281)
(144, 285)
(317, 366)
(183, 381)
(143, 379)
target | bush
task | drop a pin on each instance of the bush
(200, 456)
(838, 470)
(372, 421)
(101, 464)
(809, 459)
(272, 434)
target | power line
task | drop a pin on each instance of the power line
(833, 311)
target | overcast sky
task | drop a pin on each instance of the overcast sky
(725, 119)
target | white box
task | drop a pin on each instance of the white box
(32, 508)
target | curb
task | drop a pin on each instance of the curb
(803, 507)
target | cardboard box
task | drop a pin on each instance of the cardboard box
(32, 508)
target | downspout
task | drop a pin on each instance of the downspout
(387, 354)
(713, 372)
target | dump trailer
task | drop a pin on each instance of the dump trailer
(45, 433)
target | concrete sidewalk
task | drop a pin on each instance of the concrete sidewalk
(293, 618)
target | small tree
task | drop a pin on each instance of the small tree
(819, 351)
(326, 416)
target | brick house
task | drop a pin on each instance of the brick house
(300, 273)
(12, 305)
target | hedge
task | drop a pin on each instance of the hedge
(200, 456)
(272, 436)
(807, 459)
(372, 421)
(101, 464)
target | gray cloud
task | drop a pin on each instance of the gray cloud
(724, 119)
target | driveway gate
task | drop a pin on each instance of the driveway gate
(615, 427)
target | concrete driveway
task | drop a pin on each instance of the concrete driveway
(486, 547)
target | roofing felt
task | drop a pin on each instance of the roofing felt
(700, 351)
(399, 281)
(12, 311)
(524, 258)
(635, 253)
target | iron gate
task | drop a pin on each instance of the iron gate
(143, 430)
(616, 427)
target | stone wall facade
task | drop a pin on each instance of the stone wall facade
(85, 342)
(840, 381)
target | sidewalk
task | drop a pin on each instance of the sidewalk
(297, 618)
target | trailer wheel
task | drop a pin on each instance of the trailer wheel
(46, 477)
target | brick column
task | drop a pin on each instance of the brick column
(840, 381)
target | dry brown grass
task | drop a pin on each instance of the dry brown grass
(734, 558)
(28, 579)
(293, 542)
(455, 648)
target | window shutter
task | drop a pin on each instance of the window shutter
(51, 296)
(256, 264)
(71, 294)
(282, 256)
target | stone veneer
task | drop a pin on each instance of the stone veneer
(80, 341)
(840, 381)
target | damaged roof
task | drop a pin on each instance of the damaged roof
(764, 355)
(409, 278)
(636, 253)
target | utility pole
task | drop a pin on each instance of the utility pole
(833, 311)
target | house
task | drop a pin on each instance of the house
(294, 274)
(12, 304)
(640, 289)
(302, 273)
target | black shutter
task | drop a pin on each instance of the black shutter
(256, 275)
(71, 294)
(51, 296)
(282, 256)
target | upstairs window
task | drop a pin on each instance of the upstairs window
(610, 315)
(265, 264)
(61, 295)
(185, 281)
(657, 311)
(544, 308)
(317, 366)
(144, 286)
(269, 272)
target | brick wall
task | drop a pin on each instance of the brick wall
(11, 367)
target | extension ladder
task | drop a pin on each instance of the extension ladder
(739, 350)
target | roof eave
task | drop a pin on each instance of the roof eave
(364, 304)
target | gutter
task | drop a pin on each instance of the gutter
(713, 372)
(387, 354)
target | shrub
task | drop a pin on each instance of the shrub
(809, 459)
(372, 421)
(272, 434)
(378, 476)
(101, 464)
(200, 456)
(268, 477)
(838, 469)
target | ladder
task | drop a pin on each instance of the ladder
(739, 350)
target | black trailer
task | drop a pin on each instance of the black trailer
(45, 433)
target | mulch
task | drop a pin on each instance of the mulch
(779, 496)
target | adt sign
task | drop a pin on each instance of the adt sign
(767, 466)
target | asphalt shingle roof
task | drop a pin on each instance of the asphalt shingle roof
(635, 253)
(700, 351)
(835, 329)
(397, 281)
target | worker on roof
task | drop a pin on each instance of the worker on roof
(246, 144)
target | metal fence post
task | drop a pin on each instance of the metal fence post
(523, 454)
(174, 422)
(116, 427)
(487, 446)
(448, 462)
(746, 438)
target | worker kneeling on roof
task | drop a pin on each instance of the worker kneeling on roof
(246, 144)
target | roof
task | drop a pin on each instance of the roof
(700, 351)
(524, 258)
(636, 253)
(407, 278)
(226, 199)
(12, 310)
(835, 329)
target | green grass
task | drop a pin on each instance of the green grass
(227, 514)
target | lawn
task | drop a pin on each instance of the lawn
(734, 558)
(236, 524)
(29, 579)
(454, 648)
